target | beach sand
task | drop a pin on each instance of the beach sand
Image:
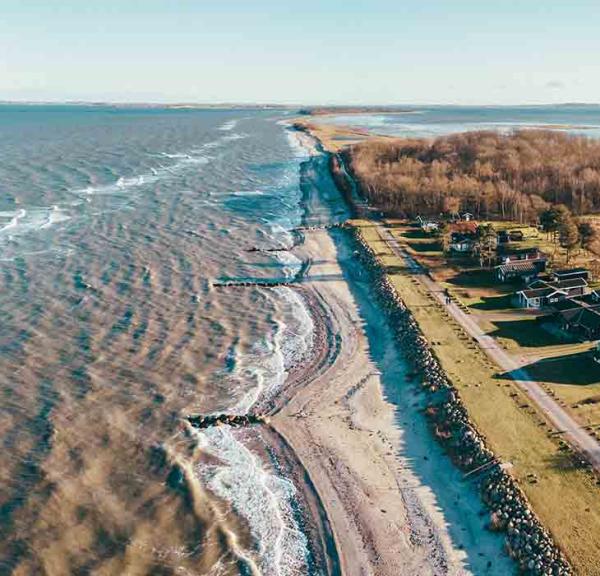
(394, 502)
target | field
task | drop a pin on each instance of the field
(565, 495)
(562, 365)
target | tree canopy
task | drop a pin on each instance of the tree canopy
(510, 176)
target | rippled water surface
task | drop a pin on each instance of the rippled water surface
(433, 121)
(114, 224)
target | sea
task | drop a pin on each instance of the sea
(118, 227)
(433, 121)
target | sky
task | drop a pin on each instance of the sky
(301, 52)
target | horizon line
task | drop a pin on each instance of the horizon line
(226, 104)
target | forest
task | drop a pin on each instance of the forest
(514, 176)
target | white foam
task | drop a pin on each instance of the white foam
(56, 216)
(248, 193)
(295, 337)
(15, 217)
(234, 136)
(228, 126)
(302, 144)
(280, 235)
(125, 184)
(291, 263)
(258, 373)
(261, 372)
(264, 499)
(32, 219)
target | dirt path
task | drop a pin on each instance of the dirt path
(572, 430)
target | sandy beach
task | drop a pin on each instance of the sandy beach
(395, 504)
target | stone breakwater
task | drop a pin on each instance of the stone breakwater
(527, 542)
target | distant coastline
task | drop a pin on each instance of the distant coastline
(299, 108)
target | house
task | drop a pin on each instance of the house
(464, 227)
(540, 293)
(516, 235)
(538, 297)
(462, 242)
(571, 273)
(525, 270)
(467, 216)
(583, 322)
(507, 255)
(579, 316)
(428, 225)
(590, 300)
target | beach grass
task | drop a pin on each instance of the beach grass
(565, 493)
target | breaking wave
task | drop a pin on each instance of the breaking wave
(264, 499)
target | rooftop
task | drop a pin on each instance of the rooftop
(521, 266)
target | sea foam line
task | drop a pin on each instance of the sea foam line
(264, 499)
(32, 219)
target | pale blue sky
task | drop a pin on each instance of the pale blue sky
(329, 51)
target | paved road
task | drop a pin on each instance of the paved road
(572, 431)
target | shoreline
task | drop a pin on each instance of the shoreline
(384, 515)
(377, 493)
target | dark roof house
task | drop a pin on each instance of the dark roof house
(571, 273)
(516, 235)
(525, 270)
(584, 322)
(538, 297)
(506, 255)
(541, 293)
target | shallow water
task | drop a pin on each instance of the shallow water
(433, 121)
(113, 225)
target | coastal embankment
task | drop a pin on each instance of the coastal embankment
(527, 541)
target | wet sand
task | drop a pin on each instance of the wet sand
(394, 502)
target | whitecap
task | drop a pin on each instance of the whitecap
(258, 373)
(229, 125)
(234, 136)
(15, 218)
(264, 499)
(291, 264)
(31, 219)
(302, 144)
(55, 216)
(248, 193)
(296, 333)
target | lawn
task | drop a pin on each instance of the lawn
(566, 496)
(525, 333)
(517, 330)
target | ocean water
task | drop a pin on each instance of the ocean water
(433, 121)
(114, 225)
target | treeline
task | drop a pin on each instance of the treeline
(509, 176)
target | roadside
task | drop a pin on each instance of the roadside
(560, 362)
(564, 423)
